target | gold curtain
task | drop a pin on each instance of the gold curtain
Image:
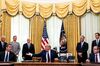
(0, 24)
(72, 30)
(79, 7)
(36, 30)
(28, 9)
(0, 29)
(0, 4)
(61, 9)
(95, 6)
(45, 10)
(12, 6)
(6, 26)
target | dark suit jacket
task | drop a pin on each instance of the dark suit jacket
(94, 44)
(2, 49)
(12, 56)
(42, 54)
(83, 50)
(26, 50)
(92, 57)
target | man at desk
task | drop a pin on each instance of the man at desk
(95, 56)
(7, 55)
(47, 54)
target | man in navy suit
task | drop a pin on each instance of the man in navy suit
(96, 42)
(8, 55)
(82, 48)
(28, 48)
(47, 54)
(2, 44)
(95, 56)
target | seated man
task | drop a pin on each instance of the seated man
(7, 55)
(95, 56)
(47, 54)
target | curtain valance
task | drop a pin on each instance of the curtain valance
(78, 7)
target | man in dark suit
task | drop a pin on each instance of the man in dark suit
(95, 56)
(28, 48)
(7, 55)
(47, 54)
(96, 42)
(82, 48)
(2, 44)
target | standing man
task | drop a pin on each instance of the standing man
(15, 46)
(7, 55)
(2, 44)
(96, 42)
(82, 48)
(28, 48)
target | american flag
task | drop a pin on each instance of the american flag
(44, 37)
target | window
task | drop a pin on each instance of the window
(53, 29)
(20, 28)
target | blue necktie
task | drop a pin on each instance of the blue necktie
(48, 57)
(6, 58)
(97, 41)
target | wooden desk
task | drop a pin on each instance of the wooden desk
(6, 64)
(90, 64)
(45, 64)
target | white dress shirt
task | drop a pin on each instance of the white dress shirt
(7, 57)
(2, 44)
(28, 45)
(97, 41)
(98, 56)
(82, 44)
(47, 60)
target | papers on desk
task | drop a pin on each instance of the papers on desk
(29, 54)
(27, 61)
